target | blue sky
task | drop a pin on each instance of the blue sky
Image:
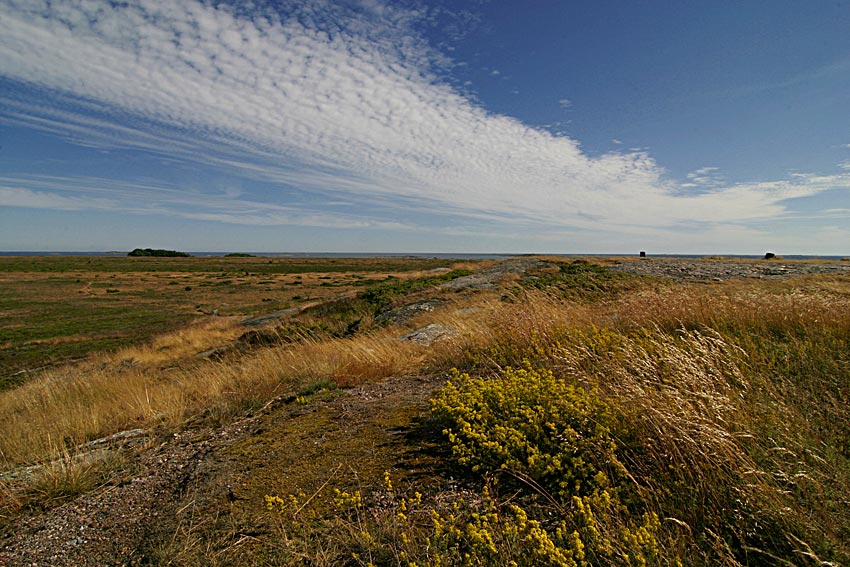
(451, 126)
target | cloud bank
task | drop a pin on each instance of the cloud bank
(340, 99)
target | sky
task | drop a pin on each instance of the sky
(455, 126)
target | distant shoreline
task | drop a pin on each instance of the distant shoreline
(441, 255)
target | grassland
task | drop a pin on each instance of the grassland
(592, 418)
(57, 309)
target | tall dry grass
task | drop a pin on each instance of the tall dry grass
(733, 428)
(68, 406)
(735, 396)
(163, 384)
(492, 333)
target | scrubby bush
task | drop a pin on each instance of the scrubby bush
(530, 423)
(157, 252)
(555, 445)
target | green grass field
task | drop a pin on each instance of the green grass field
(54, 309)
(255, 265)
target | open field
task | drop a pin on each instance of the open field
(56, 309)
(595, 417)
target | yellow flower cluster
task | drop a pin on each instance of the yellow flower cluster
(531, 423)
(344, 500)
(537, 430)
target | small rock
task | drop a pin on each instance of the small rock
(407, 312)
(428, 335)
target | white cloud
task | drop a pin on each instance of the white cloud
(335, 98)
(92, 193)
(565, 103)
(22, 197)
(704, 177)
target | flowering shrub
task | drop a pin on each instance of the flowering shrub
(469, 529)
(559, 441)
(530, 423)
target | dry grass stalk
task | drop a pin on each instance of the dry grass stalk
(78, 403)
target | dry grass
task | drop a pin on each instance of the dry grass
(58, 309)
(493, 333)
(730, 395)
(164, 383)
(788, 305)
(80, 403)
(734, 395)
(177, 346)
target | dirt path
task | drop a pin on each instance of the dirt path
(200, 493)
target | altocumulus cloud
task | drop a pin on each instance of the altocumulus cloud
(343, 100)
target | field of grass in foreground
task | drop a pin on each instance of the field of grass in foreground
(682, 426)
(658, 425)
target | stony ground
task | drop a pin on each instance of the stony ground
(724, 269)
(187, 479)
(201, 490)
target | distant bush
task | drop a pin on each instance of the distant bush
(158, 253)
(239, 255)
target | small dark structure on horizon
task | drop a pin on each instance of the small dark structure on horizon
(769, 256)
(643, 254)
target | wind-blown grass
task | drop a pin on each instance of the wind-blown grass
(726, 405)
(729, 429)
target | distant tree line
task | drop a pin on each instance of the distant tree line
(158, 253)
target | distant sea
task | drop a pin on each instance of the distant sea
(441, 255)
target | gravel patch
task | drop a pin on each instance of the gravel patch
(682, 269)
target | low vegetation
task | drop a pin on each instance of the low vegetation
(58, 309)
(582, 281)
(589, 419)
(619, 433)
(381, 295)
